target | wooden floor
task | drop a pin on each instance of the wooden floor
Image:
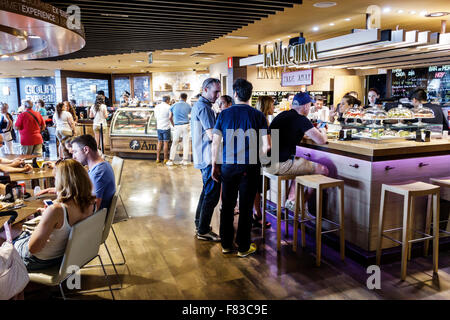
(166, 261)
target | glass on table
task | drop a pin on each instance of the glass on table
(40, 163)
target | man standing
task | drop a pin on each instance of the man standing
(162, 111)
(202, 124)
(84, 150)
(240, 168)
(30, 124)
(179, 117)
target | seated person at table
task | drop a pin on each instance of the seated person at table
(84, 150)
(292, 125)
(13, 166)
(45, 246)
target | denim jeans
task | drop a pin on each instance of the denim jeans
(31, 262)
(242, 179)
(208, 201)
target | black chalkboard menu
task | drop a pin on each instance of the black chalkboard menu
(435, 79)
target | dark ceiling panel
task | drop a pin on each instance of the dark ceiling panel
(116, 27)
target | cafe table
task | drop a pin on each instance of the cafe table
(19, 156)
(29, 208)
(36, 174)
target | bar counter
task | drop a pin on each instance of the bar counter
(85, 126)
(364, 167)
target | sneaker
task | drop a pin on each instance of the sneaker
(185, 163)
(169, 163)
(250, 250)
(165, 161)
(227, 251)
(157, 161)
(210, 236)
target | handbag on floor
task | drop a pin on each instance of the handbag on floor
(13, 273)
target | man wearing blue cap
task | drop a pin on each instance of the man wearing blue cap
(293, 125)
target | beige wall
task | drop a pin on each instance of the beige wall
(322, 80)
(217, 70)
(344, 84)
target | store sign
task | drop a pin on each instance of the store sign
(292, 55)
(268, 73)
(38, 88)
(144, 146)
(230, 62)
(297, 78)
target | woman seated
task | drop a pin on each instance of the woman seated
(45, 246)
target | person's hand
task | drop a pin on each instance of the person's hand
(215, 174)
(27, 168)
(41, 210)
(40, 193)
(17, 163)
(50, 164)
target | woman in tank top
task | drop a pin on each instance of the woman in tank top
(45, 246)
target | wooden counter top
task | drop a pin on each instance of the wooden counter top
(383, 151)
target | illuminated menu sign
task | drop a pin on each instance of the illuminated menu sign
(291, 55)
(38, 88)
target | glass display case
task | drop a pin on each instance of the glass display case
(134, 122)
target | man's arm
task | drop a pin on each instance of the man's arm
(171, 118)
(98, 202)
(8, 169)
(215, 174)
(319, 136)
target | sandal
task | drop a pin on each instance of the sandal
(257, 223)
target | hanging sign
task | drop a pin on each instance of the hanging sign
(297, 78)
(291, 55)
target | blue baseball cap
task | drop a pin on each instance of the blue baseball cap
(301, 98)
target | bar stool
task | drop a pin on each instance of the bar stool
(320, 183)
(409, 192)
(443, 183)
(266, 180)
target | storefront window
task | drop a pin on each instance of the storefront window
(142, 88)
(121, 84)
(84, 91)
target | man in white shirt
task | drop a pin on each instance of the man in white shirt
(322, 112)
(162, 115)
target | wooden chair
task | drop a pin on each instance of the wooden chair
(409, 192)
(320, 183)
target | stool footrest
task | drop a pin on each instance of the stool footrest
(306, 220)
(332, 222)
(332, 230)
(392, 239)
(392, 230)
(421, 239)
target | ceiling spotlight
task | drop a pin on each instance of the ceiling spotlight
(436, 14)
(139, 60)
(331, 24)
(386, 10)
(81, 63)
(412, 12)
(423, 13)
(278, 39)
(315, 28)
(400, 11)
(325, 4)
(347, 19)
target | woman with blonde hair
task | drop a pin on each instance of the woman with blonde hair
(265, 104)
(45, 246)
(65, 127)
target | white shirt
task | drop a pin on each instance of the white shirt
(99, 116)
(162, 116)
(62, 123)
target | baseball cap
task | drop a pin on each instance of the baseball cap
(301, 98)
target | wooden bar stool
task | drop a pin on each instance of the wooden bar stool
(443, 183)
(409, 192)
(266, 180)
(320, 183)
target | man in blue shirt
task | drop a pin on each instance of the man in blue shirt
(244, 132)
(202, 124)
(84, 150)
(179, 117)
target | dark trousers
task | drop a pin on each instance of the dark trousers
(242, 179)
(207, 202)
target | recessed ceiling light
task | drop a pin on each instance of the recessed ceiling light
(278, 39)
(331, 24)
(412, 12)
(81, 63)
(423, 13)
(268, 42)
(5, 56)
(436, 14)
(386, 10)
(133, 65)
(400, 11)
(207, 58)
(347, 19)
(236, 37)
(325, 4)
(315, 28)
(139, 60)
(289, 36)
(113, 67)
(170, 53)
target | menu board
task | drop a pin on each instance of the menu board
(435, 79)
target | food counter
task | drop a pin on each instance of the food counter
(364, 167)
(133, 132)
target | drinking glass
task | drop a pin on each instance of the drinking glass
(40, 162)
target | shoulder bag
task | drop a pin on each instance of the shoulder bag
(45, 134)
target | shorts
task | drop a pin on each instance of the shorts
(296, 167)
(164, 135)
(96, 128)
(30, 261)
(63, 135)
(36, 149)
